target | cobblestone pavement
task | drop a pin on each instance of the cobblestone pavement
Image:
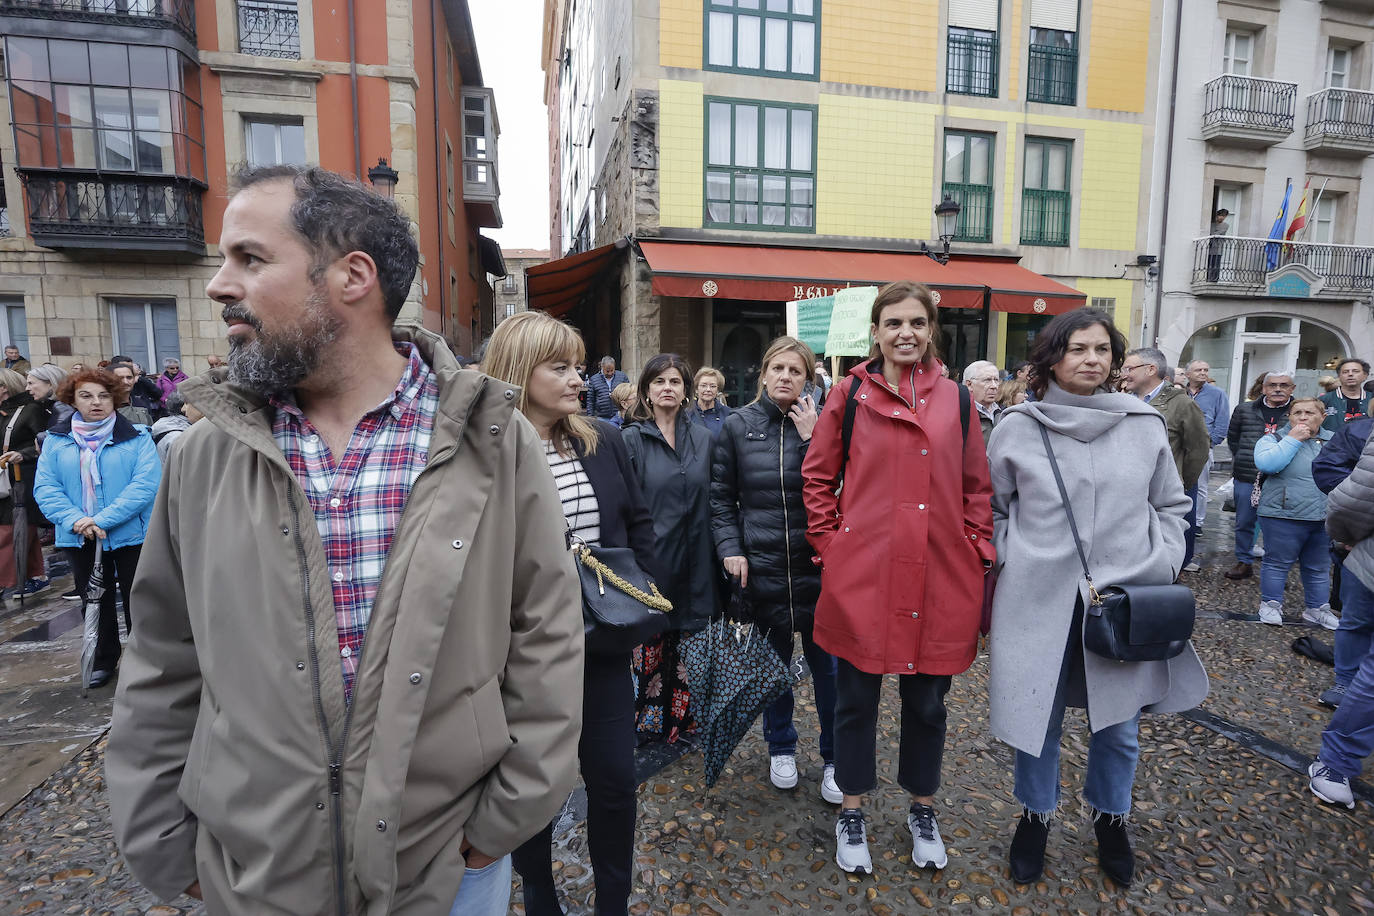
(1222, 824)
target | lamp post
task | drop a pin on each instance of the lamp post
(947, 217)
(383, 177)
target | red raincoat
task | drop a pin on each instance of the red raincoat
(905, 546)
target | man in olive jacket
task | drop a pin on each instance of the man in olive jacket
(362, 684)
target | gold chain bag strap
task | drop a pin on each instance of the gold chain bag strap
(605, 574)
(631, 612)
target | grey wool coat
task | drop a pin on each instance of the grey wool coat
(1113, 451)
(1350, 516)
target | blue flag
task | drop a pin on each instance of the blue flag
(1271, 251)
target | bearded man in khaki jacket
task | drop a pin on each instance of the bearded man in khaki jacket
(360, 688)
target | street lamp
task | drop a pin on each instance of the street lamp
(383, 177)
(947, 216)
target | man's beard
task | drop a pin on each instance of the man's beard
(275, 362)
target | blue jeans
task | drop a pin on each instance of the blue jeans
(484, 891)
(1349, 739)
(1288, 541)
(1245, 522)
(778, 729)
(1112, 755)
(1190, 533)
(1355, 635)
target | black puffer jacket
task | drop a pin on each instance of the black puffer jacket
(676, 484)
(757, 513)
(1247, 426)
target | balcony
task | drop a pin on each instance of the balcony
(1340, 122)
(175, 14)
(81, 210)
(1053, 75)
(1250, 267)
(975, 211)
(1248, 111)
(481, 189)
(270, 28)
(971, 63)
(1045, 217)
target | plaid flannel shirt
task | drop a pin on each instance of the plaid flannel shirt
(358, 499)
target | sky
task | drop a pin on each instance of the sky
(508, 38)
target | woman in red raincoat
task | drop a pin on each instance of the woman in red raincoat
(904, 548)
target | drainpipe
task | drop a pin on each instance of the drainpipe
(1168, 173)
(353, 79)
(440, 226)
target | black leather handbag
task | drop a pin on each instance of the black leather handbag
(1129, 623)
(621, 606)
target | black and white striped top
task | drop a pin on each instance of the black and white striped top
(575, 490)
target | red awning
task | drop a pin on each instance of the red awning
(558, 286)
(714, 270)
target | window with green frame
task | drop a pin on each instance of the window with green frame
(968, 179)
(1046, 202)
(760, 165)
(772, 37)
(1053, 67)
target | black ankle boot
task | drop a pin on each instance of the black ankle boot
(1028, 847)
(1114, 853)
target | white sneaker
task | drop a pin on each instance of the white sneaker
(829, 790)
(1192, 568)
(851, 843)
(1329, 787)
(1271, 612)
(1322, 617)
(782, 769)
(1257, 552)
(927, 849)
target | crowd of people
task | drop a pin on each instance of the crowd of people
(371, 684)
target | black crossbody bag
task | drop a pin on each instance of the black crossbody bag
(1129, 623)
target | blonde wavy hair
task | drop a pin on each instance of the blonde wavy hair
(778, 348)
(522, 342)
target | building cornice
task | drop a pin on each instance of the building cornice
(235, 64)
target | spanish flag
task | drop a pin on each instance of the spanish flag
(1300, 215)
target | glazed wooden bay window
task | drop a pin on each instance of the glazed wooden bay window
(771, 37)
(1046, 202)
(760, 166)
(968, 179)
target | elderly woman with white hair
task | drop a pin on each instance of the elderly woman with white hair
(22, 420)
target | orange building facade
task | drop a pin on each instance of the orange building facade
(126, 119)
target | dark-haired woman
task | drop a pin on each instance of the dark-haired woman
(603, 505)
(671, 457)
(96, 480)
(21, 421)
(904, 547)
(758, 520)
(1113, 452)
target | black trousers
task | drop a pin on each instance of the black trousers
(922, 749)
(606, 753)
(120, 566)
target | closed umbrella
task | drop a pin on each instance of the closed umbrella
(20, 498)
(90, 633)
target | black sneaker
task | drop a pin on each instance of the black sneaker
(71, 595)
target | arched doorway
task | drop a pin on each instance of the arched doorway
(1239, 350)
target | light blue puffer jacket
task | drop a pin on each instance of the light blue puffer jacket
(1288, 490)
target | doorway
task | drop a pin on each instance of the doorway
(741, 331)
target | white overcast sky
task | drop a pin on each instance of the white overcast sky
(508, 37)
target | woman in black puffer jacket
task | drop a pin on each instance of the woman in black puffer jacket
(758, 522)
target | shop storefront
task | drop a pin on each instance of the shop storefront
(1240, 349)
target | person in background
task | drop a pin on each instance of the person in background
(1328, 383)
(1010, 393)
(139, 407)
(822, 378)
(42, 384)
(180, 417)
(758, 520)
(214, 361)
(915, 500)
(1350, 401)
(1178, 375)
(171, 377)
(22, 420)
(602, 504)
(709, 409)
(1019, 371)
(1114, 456)
(671, 458)
(624, 397)
(1216, 410)
(982, 381)
(600, 386)
(15, 361)
(1264, 413)
(1292, 512)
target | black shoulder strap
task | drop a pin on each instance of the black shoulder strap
(851, 407)
(1064, 495)
(965, 407)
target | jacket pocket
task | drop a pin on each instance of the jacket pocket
(197, 756)
(493, 732)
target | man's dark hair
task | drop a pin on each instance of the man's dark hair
(175, 405)
(1353, 359)
(1053, 342)
(335, 215)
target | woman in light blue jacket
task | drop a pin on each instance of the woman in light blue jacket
(96, 480)
(1292, 514)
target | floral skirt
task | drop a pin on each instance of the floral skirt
(661, 693)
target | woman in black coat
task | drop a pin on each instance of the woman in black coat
(603, 505)
(758, 521)
(21, 420)
(671, 457)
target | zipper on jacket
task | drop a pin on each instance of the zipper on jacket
(786, 529)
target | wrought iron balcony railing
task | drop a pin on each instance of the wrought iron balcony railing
(1248, 103)
(1336, 115)
(74, 209)
(270, 28)
(1045, 217)
(971, 63)
(975, 211)
(177, 14)
(1244, 264)
(4, 222)
(1053, 75)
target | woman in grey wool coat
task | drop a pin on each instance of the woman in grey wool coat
(1129, 503)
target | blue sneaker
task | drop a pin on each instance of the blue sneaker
(36, 587)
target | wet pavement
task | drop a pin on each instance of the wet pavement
(1223, 822)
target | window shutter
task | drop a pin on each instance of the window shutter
(1055, 14)
(973, 14)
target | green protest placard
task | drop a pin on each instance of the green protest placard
(813, 321)
(850, 320)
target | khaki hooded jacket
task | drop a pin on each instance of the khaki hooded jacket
(233, 758)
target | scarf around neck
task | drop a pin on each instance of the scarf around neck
(89, 438)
